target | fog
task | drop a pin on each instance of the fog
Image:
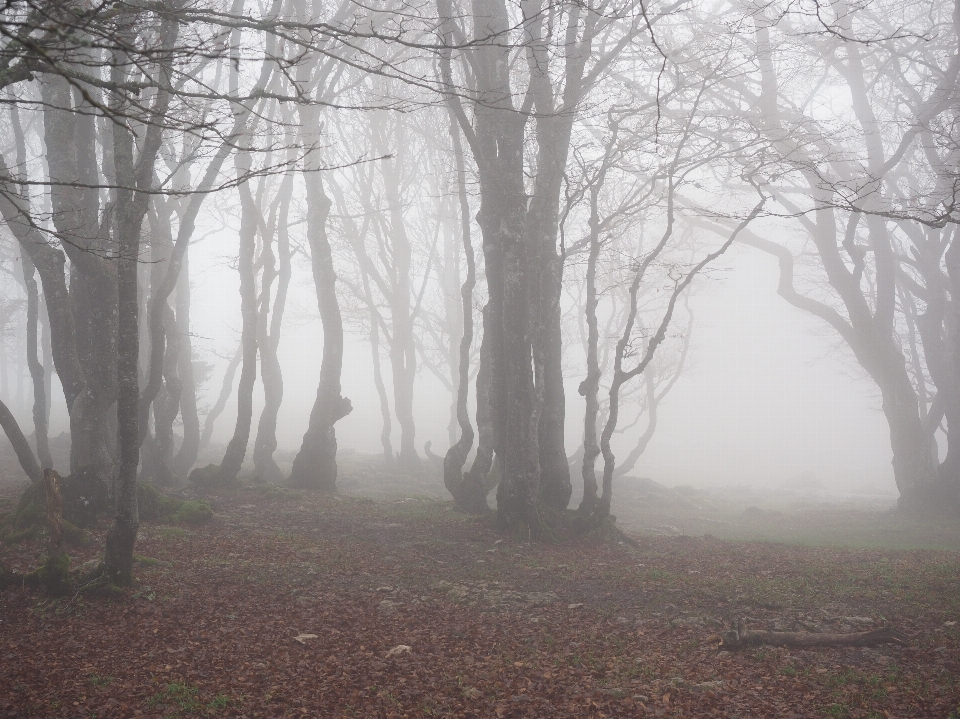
(768, 398)
(518, 256)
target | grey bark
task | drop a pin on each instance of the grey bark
(226, 389)
(186, 456)
(131, 207)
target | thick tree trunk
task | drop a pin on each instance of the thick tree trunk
(71, 142)
(914, 468)
(315, 465)
(131, 208)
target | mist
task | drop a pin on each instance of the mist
(492, 358)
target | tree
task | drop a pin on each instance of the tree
(854, 210)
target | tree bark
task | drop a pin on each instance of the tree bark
(20, 444)
(237, 447)
(37, 373)
(268, 333)
(315, 465)
(130, 210)
(186, 456)
(469, 491)
(226, 389)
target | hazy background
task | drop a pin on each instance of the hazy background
(769, 397)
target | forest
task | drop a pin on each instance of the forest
(475, 241)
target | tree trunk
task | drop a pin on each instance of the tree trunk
(226, 389)
(237, 448)
(315, 465)
(21, 446)
(480, 471)
(69, 132)
(131, 208)
(469, 491)
(37, 374)
(403, 352)
(186, 457)
(158, 460)
(385, 423)
(268, 338)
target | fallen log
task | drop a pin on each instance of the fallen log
(741, 637)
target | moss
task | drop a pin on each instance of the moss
(154, 504)
(192, 512)
(146, 561)
(173, 533)
(80, 509)
(75, 536)
(53, 576)
(104, 588)
(9, 534)
(210, 477)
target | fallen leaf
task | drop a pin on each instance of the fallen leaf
(302, 638)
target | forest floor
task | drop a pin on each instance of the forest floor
(296, 604)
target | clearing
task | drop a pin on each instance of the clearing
(295, 604)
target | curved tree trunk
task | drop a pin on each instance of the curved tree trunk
(41, 410)
(20, 444)
(315, 465)
(268, 335)
(468, 493)
(226, 389)
(237, 448)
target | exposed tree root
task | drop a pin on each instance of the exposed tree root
(741, 638)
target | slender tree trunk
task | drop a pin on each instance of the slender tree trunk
(266, 441)
(468, 493)
(158, 459)
(37, 373)
(186, 457)
(385, 424)
(590, 387)
(226, 389)
(403, 354)
(480, 471)
(237, 448)
(21, 446)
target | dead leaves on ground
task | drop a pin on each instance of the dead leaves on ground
(313, 606)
